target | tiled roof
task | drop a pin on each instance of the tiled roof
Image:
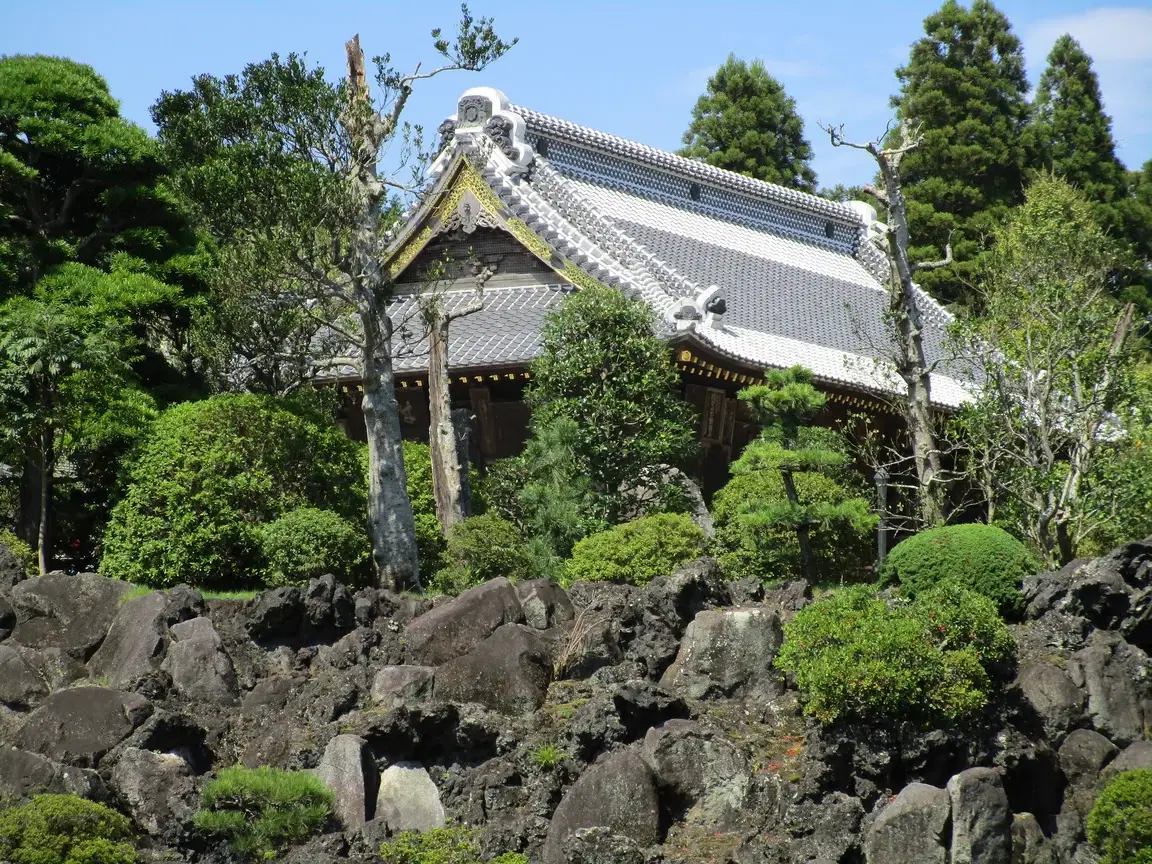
(799, 274)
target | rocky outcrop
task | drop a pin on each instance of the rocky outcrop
(460, 625)
(981, 818)
(395, 686)
(348, 770)
(134, 646)
(702, 778)
(24, 774)
(79, 726)
(728, 653)
(200, 668)
(21, 684)
(158, 789)
(408, 800)
(72, 613)
(915, 828)
(507, 672)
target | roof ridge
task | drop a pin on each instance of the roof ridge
(589, 137)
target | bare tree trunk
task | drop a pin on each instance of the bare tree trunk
(28, 518)
(390, 521)
(803, 535)
(44, 534)
(448, 474)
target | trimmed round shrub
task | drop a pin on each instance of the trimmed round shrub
(858, 655)
(638, 551)
(65, 829)
(482, 548)
(983, 558)
(770, 554)
(211, 473)
(307, 543)
(1120, 824)
(260, 812)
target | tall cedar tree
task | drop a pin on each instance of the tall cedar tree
(784, 405)
(746, 123)
(964, 89)
(283, 167)
(1071, 137)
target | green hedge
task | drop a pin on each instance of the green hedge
(482, 548)
(65, 829)
(774, 553)
(260, 812)
(307, 543)
(983, 558)
(856, 654)
(638, 551)
(1120, 824)
(210, 473)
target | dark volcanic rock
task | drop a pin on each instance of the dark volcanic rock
(134, 646)
(689, 590)
(200, 668)
(1113, 674)
(1057, 701)
(21, 685)
(915, 828)
(157, 789)
(617, 793)
(454, 629)
(80, 725)
(11, 571)
(328, 607)
(7, 617)
(640, 705)
(981, 818)
(545, 604)
(276, 614)
(728, 653)
(394, 686)
(68, 612)
(508, 672)
(23, 774)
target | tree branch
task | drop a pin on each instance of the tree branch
(936, 265)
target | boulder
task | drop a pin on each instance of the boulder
(1108, 668)
(11, 569)
(328, 606)
(184, 603)
(200, 668)
(690, 589)
(276, 614)
(24, 774)
(157, 789)
(394, 686)
(727, 653)
(461, 624)
(544, 603)
(702, 779)
(21, 684)
(79, 726)
(7, 618)
(915, 828)
(1057, 701)
(640, 705)
(134, 646)
(408, 800)
(508, 672)
(1134, 757)
(348, 770)
(617, 793)
(68, 612)
(981, 818)
(1029, 845)
(1083, 756)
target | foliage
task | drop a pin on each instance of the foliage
(210, 473)
(262, 811)
(638, 551)
(770, 553)
(857, 655)
(1120, 491)
(454, 845)
(1062, 366)
(603, 368)
(21, 551)
(547, 756)
(418, 477)
(482, 548)
(1120, 824)
(982, 558)
(964, 84)
(306, 543)
(746, 123)
(65, 829)
(784, 405)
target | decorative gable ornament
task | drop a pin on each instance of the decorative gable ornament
(483, 113)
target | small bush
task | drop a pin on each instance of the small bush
(547, 756)
(773, 553)
(482, 548)
(855, 654)
(307, 543)
(637, 552)
(1120, 824)
(262, 811)
(22, 552)
(983, 558)
(210, 473)
(65, 829)
(441, 846)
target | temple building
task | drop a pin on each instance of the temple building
(742, 275)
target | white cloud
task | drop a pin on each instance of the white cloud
(1109, 35)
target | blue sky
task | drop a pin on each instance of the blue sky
(630, 68)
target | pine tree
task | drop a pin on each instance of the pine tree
(785, 405)
(964, 86)
(745, 122)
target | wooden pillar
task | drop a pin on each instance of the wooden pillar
(481, 399)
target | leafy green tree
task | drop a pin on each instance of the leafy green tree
(282, 167)
(65, 829)
(785, 404)
(1056, 362)
(66, 381)
(964, 87)
(77, 181)
(603, 368)
(745, 122)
